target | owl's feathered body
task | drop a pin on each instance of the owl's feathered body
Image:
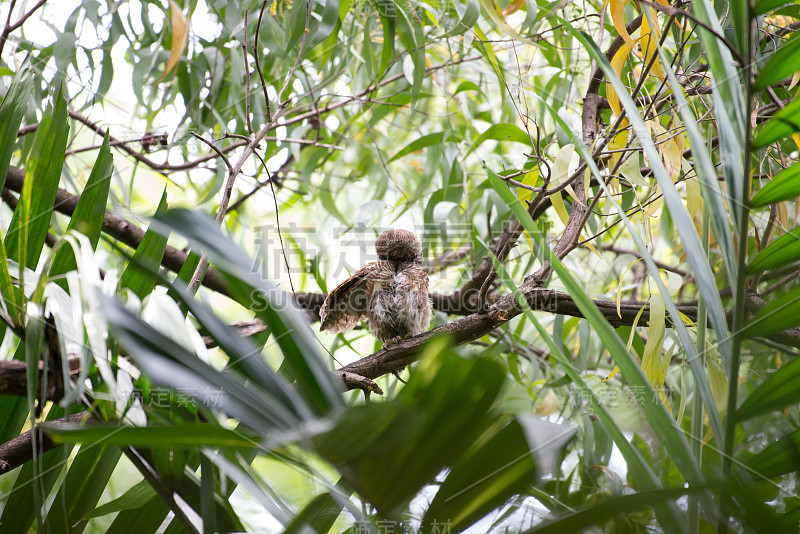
(391, 293)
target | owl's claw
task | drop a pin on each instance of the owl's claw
(392, 341)
(396, 339)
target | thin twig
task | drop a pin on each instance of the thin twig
(11, 27)
(215, 149)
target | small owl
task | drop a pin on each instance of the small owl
(392, 293)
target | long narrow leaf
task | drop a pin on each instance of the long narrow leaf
(663, 424)
(12, 110)
(277, 308)
(139, 275)
(706, 282)
(641, 472)
(90, 210)
(28, 228)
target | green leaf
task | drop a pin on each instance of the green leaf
(388, 22)
(155, 437)
(187, 271)
(467, 86)
(777, 458)
(90, 210)
(106, 76)
(762, 6)
(467, 19)
(144, 519)
(705, 169)
(502, 132)
(662, 422)
(784, 123)
(12, 110)
(297, 25)
(638, 468)
(783, 63)
(391, 450)
(414, 42)
(190, 490)
(776, 393)
(783, 186)
(695, 252)
(135, 497)
(731, 116)
(275, 307)
(484, 46)
(782, 251)
(581, 520)
(780, 314)
(83, 486)
(502, 466)
(34, 477)
(139, 275)
(321, 513)
(28, 228)
(170, 364)
(418, 144)
(321, 28)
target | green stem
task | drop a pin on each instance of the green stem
(697, 402)
(741, 274)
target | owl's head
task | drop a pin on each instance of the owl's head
(398, 245)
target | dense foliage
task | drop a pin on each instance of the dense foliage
(606, 194)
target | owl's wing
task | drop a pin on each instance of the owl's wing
(348, 304)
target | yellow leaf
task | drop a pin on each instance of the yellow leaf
(783, 218)
(180, 34)
(618, 18)
(560, 174)
(671, 153)
(694, 203)
(498, 17)
(652, 359)
(795, 79)
(513, 7)
(617, 62)
(796, 139)
(561, 164)
(558, 205)
(613, 373)
(648, 43)
(654, 207)
(618, 142)
(633, 327)
(530, 178)
(615, 370)
(524, 195)
(549, 404)
(587, 182)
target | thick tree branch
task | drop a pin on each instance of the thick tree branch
(120, 229)
(471, 327)
(14, 380)
(19, 450)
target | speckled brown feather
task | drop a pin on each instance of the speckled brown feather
(391, 293)
(348, 303)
